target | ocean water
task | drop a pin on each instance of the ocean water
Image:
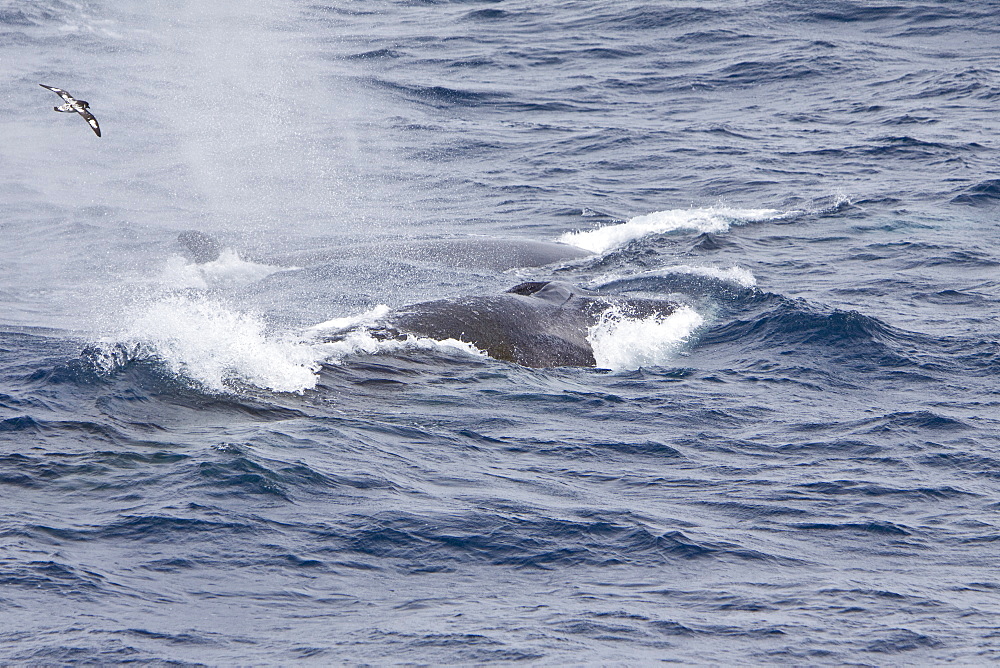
(800, 465)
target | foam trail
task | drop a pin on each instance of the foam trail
(711, 219)
(623, 344)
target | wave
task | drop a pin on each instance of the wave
(206, 342)
(794, 329)
(437, 96)
(792, 321)
(983, 193)
(734, 275)
(487, 15)
(529, 542)
(222, 351)
(59, 18)
(713, 220)
(975, 83)
(621, 343)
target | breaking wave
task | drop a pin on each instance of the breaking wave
(710, 219)
(622, 344)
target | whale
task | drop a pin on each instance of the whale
(534, 324)
(490, 253)
(472, 252)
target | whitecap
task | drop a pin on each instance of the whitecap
(711, 219)
(204, 341)
(621, 343)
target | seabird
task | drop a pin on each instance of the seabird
(79, 106)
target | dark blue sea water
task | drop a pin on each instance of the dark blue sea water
(800, 466)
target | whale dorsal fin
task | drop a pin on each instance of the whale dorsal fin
(529, 288)
(555, 292)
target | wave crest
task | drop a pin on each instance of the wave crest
(710, 219)
(622, 344)
(218, 348)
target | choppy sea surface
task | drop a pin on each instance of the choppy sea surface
(805, 470)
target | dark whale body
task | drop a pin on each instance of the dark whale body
(536, 324)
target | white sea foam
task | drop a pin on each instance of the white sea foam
(338, 325)
(354, 338)
(361, 342)
(622, 343)
(206, 342)
(710, 219)
(226, 271)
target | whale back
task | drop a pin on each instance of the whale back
(530, 332)
(534, 324)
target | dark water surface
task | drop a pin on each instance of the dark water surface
(801, 466)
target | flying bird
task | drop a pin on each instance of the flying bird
(81, 107)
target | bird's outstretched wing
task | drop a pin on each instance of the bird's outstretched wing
(89, 117)
(60, 92)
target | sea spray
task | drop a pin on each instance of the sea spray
(350, 335)
(621, 343)
(229, 270)
(338, 325)
(203, 340)
(208, 343)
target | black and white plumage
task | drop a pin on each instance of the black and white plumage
(81, 107)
